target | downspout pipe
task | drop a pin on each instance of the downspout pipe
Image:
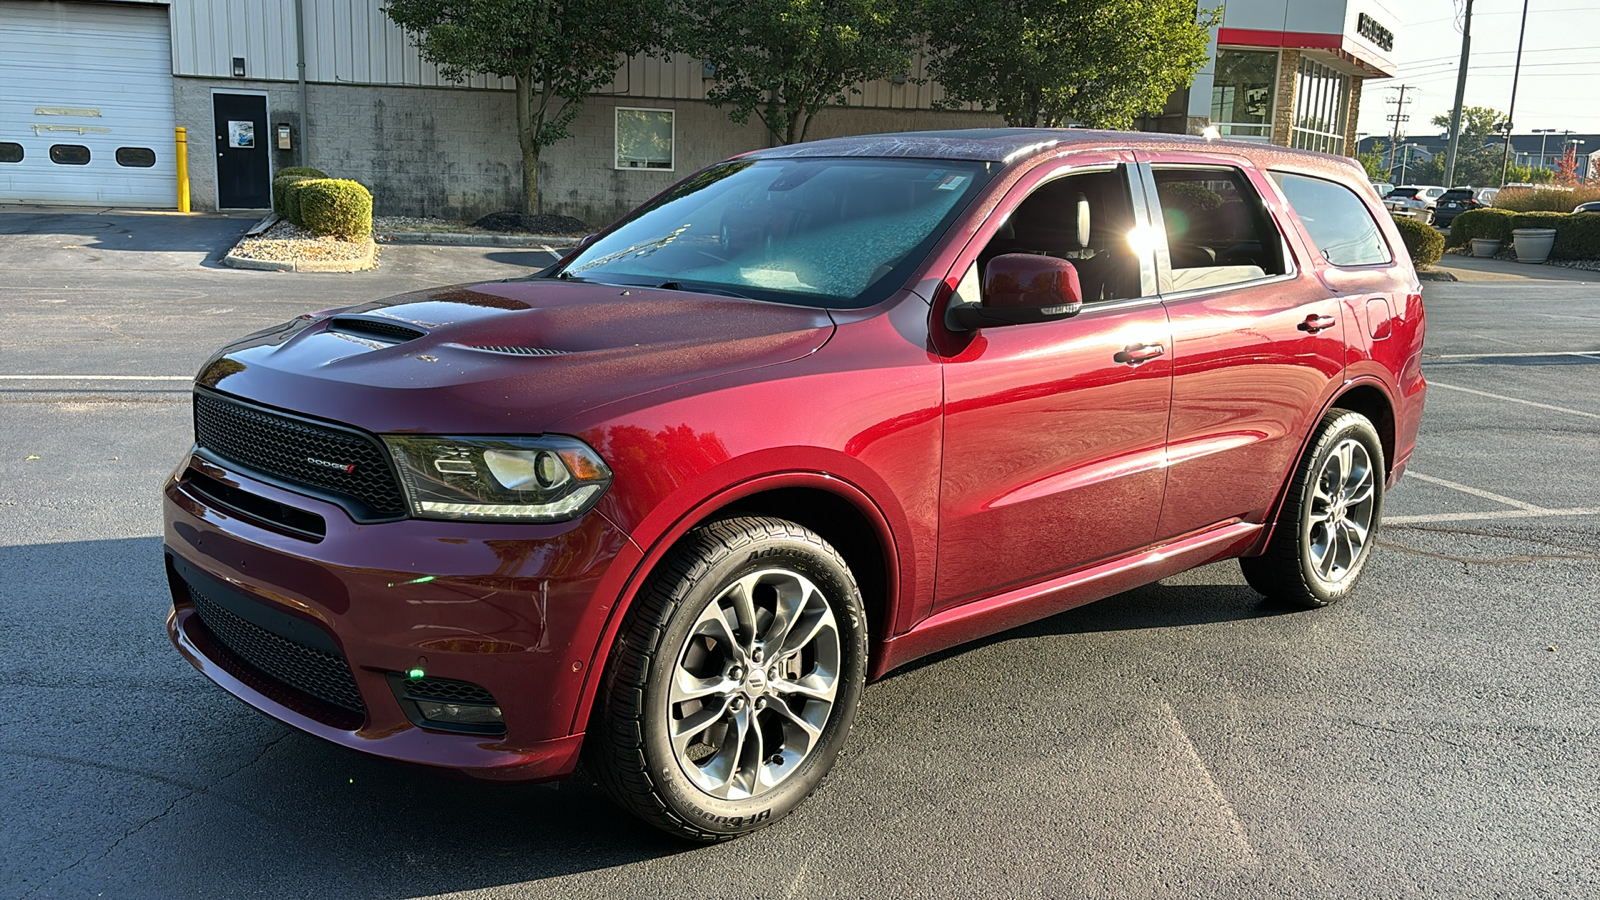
(304, 157)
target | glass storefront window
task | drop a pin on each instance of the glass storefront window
(1321, 108)
(1241, 93)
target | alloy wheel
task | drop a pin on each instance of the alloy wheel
(1343, 506)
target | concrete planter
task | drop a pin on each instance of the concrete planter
(1533, 244)
(1485, 248)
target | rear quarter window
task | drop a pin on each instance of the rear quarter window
(1339, 223)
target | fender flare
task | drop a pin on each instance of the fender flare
(664, 542)
(1271, 523)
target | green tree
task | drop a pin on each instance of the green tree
(558, 53)
(784, 60)
(1376, 162)
(1477, 159)
(1043, 63)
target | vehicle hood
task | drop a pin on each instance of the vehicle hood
(510, 357)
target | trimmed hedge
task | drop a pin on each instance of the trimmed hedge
(1491, 223)
(1538, 220)
(293, 189)
(280, 191)
(1423, 242)
(1577, 237)
(335, 207)
(305, 171)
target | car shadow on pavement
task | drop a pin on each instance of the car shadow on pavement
(1158, 605)
(149, 780)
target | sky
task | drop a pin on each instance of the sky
(1560, 83)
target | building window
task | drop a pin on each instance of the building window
(136, 157)
(10, 152)
(1321, 107)
(644, 138)
(1241, 93)
(69, 155)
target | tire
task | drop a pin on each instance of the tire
(692, 733)
(1325, 532)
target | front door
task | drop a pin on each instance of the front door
(244, 177)
(1055, 432)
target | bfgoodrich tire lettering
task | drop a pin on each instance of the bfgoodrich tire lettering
(734, 681)
(1326, 530)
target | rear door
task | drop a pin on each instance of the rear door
(1256, 338)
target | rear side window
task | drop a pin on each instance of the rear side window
(1218, 230)
(1340, 225)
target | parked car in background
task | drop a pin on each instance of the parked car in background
(1592, 206)
(1382, 187)
(1416, 201)
(1458, 200)
(671, 502)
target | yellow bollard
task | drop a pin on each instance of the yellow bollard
(183, 169)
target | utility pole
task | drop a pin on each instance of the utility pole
(1516, 73)
(1461, 94)
(1397, 117)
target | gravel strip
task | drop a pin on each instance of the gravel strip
(1507, 254)
(287, 242)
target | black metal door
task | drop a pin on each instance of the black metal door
(244, 178)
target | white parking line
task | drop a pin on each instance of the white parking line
(1476, 492)
(1489, 516)
(1530, 355)
(1562, 409)
(96, 377)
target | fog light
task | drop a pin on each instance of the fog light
(459, 713)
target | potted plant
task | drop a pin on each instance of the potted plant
(1485, 248)
(1533, 234)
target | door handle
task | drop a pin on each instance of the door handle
(1139, 353)
(1315, 323)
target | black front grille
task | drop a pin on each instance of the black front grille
(343, 463)
(323, 675)
(522, 351)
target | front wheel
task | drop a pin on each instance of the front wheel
(1325, 531)
(734, 682)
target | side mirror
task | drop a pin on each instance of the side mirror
(1021, 289)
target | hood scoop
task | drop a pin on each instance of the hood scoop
(387, 332)
(521, 351)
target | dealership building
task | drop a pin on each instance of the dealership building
(93, 92)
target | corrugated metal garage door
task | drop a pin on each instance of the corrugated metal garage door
(86, 104)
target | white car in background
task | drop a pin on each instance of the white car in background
(1415, 201)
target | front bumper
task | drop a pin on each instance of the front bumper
(515, 609)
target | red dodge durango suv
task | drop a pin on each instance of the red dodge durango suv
(810, 414)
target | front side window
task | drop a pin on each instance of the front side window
(837, 233)
(644, 138)
(1340, 225)
(1084, 218)
(1241, 93)
(1218, 230)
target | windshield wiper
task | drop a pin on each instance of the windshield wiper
(720, 292)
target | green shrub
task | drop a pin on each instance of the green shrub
(1577, 237)
(1424, 242)
(293, 190)
(335, 207)
(1537, 220)
(304, 171)
(280, 187)
(1494, 224)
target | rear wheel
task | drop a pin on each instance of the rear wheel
(734, 682)
(1324, 534)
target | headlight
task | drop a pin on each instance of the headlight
(536, 479)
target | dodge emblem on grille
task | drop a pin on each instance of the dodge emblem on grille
(347, 469)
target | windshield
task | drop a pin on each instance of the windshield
(1462, 194)
(837, 233)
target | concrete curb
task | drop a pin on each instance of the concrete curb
(1435, 275)
(479, 240)
(266, 222)
(367, 260)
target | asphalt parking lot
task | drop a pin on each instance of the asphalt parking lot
(1437, 734)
